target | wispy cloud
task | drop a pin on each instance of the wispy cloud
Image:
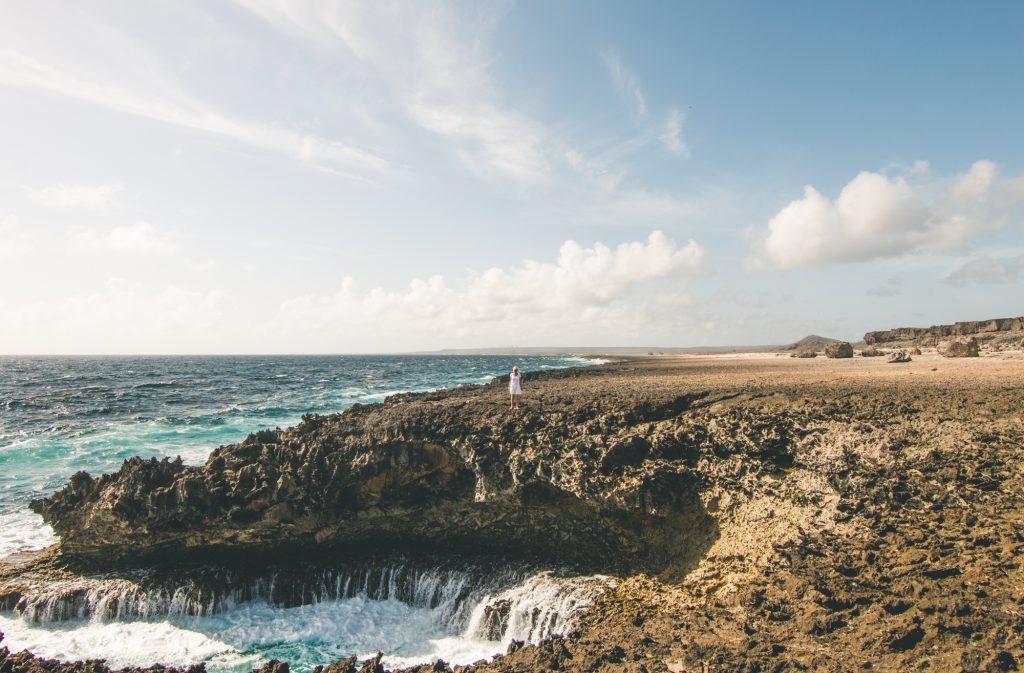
(436, 60)
(672, 135)
(627, 84)
(986, 270)
(434, 57)
(141, 238)
(179, 109)
(630, 90)
(14, 240)
(89, 197)
(891, 288)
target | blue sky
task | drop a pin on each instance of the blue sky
(274, 176)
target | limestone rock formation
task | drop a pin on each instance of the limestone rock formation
(930, 336)
(843, 349)
(871, 352)
(962, 347)
(804, 354)
(899, 356)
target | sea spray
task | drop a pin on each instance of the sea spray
(537, 608)
(414, 615)
(451, 591)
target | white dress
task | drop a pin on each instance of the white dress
(513, 384)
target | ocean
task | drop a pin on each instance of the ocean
(59, 415)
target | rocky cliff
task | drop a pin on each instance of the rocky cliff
(930, 336)
(575, 480)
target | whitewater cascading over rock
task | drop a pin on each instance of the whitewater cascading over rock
(578, 482)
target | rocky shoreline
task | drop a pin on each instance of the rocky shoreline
(763, 513)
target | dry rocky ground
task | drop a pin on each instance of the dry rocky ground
(839, 515)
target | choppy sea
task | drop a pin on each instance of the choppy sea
(59, 415)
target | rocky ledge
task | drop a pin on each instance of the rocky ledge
(605, 482)
(765, 514)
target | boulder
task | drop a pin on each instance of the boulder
(899, 356)
(915, 351)
(804, 354)
(843, 349)
(871, 352)
(960, 347)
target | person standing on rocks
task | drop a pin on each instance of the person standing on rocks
(515, 388)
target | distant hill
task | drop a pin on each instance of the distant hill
(811, 342)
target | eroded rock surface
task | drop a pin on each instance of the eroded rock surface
(962, 347)
(856, 516)
(577, 479)
(842, 349)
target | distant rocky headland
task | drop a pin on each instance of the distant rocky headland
(760, 513)
(998, 331)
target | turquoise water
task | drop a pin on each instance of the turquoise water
(59, 415)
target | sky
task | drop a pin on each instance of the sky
(277, 176)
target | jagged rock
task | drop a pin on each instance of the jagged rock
(495, 619)
(417, 472)
(842, 349)
(342, 666)
(871, 352)
(273, 666)
(372, 665)
(962, 347)
(899, 356)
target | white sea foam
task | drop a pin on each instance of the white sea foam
(122, 644)
(242, 637)
(23, 529)
(588, 360)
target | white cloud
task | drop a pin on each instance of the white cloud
(877, 216)
(14, 241)
(584, 290)
(987, 271)
(171, 106)
(119, 317)
(672, 136)
(89, 197)
(627, 84)
(141, 238)
(434, 56)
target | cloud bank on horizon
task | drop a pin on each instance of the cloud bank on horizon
(226, 176)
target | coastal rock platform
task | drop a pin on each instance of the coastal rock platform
(762, 513)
